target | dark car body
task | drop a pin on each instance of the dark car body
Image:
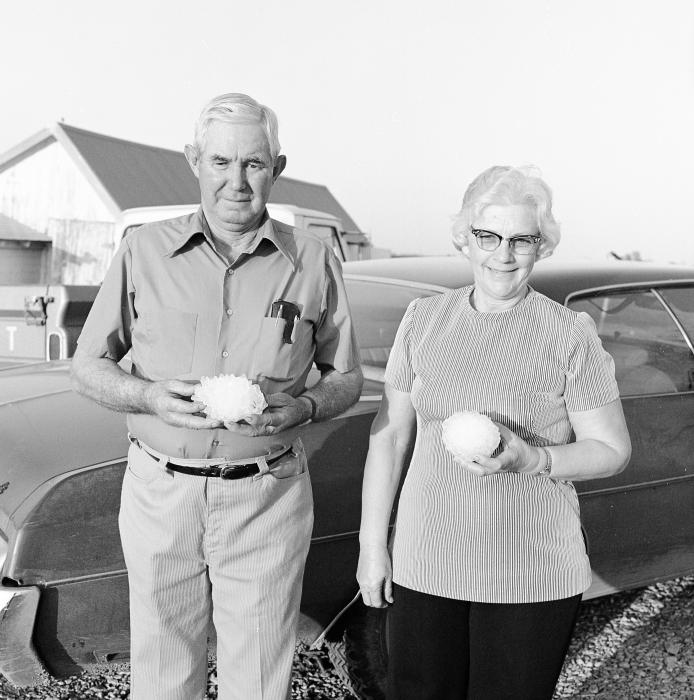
(64, 597)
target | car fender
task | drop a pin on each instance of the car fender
(19, 662)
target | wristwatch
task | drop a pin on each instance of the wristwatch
(312, 402)
(547, 469)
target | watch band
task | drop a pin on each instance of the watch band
(314, 405)
(547, 469)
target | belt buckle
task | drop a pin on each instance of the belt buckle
(233, 471)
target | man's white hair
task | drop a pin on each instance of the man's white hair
(237, 107)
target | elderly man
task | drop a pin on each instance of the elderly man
(216, 517)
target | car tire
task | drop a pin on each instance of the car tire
(360, 658)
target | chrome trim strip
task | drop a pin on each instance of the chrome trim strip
(35, 396)
(392, 281)
(628, 286)
(108, 463)
(335, 538)
(78, 579)
(634, 487)
(649, 396)
(119, 572)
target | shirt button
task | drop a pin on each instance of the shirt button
(225, 354)
(230, 272)
(229, 312)
(215, 443)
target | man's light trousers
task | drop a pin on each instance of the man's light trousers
(233, 548)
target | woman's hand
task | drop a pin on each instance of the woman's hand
(375, 576)
(516, 456)
(602, 448)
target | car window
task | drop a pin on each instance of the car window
(377, 309)
(650, 353)
(681, 301)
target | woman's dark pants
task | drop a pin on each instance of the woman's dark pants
(445, 649)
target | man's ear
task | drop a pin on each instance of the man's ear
(192, 157)
(280, 165)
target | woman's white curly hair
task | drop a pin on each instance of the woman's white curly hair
(506, 185)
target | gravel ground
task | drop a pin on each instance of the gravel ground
(634, 645)
(629, 646)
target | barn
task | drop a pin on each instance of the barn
(24, 253)
(77, 190)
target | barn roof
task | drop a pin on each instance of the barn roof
(128, 174)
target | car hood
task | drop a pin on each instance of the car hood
(46, 430)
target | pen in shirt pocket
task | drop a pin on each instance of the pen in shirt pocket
(288, 311)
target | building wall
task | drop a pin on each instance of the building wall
(23, 262)
(48, 185)
(82, 250)
(48, 192)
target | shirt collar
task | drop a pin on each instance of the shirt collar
(198, 225)
(193, 227)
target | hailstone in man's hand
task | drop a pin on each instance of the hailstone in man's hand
(467, 434)
(229, 398)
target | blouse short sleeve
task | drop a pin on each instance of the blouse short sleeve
(590, 379)
(399, 373)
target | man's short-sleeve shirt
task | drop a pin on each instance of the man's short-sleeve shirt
(183, 313)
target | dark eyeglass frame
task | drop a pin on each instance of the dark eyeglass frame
(513, 242)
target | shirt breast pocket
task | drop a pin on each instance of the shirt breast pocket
(272, 355)
(164, 342)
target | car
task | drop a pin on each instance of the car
(64, 587)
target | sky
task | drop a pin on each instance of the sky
(394, 105)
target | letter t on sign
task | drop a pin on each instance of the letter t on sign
(11, 330)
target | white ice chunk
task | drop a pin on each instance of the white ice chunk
(230, 398)
(468, 433)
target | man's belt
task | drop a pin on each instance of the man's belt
(221, 468)
(230, 471)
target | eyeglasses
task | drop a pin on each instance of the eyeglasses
(487, 240)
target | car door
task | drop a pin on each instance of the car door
(337, 449)
(639, 524)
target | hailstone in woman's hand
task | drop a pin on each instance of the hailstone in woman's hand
(467, 434)
(229, 398)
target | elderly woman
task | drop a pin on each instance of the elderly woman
(488, 558)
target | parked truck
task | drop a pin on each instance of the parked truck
(43, 322)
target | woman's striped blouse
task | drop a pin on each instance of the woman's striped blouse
(505, 538)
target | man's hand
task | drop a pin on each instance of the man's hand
(334, 393)
(283, 411)
(169, 400)
(101, 379)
